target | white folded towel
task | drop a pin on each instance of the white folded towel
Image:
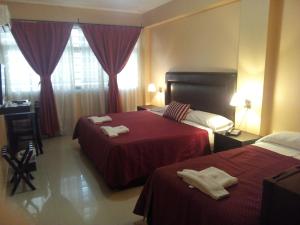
(100, 119)
(210, 181)
(219, 176)
(121, 129)
(114, 131)
(108, 130)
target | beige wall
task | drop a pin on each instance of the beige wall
(177, 9)
(207, 41)
(60, 13)
(286, 104)
(257, 38)
(254, 21)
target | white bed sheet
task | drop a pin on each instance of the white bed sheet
(270, 146)
(209, 130)
(279, 149)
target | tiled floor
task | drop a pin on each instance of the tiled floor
(69, 191)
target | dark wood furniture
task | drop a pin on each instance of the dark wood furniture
(37, 126)
(281, 198)
(224, 142)
(17, 108)
(145, 107)
(205, 91)
(22, 166)
(26, 107)
(21, 128)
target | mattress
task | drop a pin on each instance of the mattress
(166, 195)
(152, 141)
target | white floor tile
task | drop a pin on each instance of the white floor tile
(70, 191)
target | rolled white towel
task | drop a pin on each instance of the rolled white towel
(210, 181)
(114, 131)
(100, 119)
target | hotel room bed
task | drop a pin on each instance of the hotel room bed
(154, 141)
(166, 195)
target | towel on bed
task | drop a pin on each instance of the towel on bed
(114, 131)
(211, 181)
(100, 119)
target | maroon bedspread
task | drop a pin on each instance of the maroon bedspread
(169, 201)
(153, 141)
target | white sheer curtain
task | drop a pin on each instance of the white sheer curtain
(130, 82)
(21, 81)
(79, 82)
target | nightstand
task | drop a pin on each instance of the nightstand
(145, 107)
(224, 142)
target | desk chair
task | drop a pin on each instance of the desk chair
(22, 128)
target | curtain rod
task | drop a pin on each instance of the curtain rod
(75, 23)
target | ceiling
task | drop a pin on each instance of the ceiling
(131, 6)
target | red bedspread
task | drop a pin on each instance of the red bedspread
(169, 201)
(153, 141)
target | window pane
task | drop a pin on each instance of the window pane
(20, 76)
(78, 68)
(128, 77)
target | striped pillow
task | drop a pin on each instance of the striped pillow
(177, 111)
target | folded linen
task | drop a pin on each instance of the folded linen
(211, 181)
(100, 119)
(108, 130)
(121, 129)
(219, 176)
(114, 131)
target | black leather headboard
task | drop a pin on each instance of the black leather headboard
(205, 91)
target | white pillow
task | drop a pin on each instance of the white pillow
(285, 138)
(159, 109)
(213, 121)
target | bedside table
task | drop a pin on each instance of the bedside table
(145, 107)
(224, 142)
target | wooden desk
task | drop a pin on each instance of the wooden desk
(15, 109)
(7, 109)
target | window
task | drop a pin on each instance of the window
(78, 68)
(128, 78)
(79, 81)
(19, 75)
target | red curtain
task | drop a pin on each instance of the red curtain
(42, 44)
(112, 46)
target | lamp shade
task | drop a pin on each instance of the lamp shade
(151, 88)
(235, 100)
